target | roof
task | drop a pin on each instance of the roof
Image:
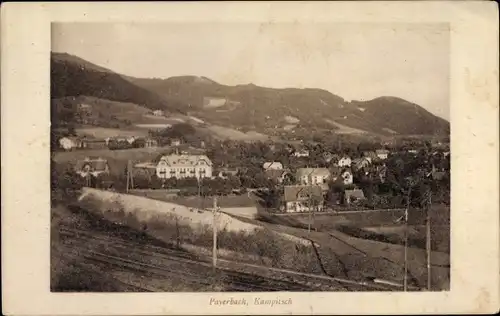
(301, 192)
(270, 164)
(96, 164)
(357, 193)
(187, 160)
(313, 172)
(358, 162)
(274, 174)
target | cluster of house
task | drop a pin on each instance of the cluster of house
(311, 184)
(303, 191)
(69, 143)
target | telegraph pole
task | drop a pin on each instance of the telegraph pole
(130, 176)
(128, 171)
(428, 239)
(405, 277)
(214, 249)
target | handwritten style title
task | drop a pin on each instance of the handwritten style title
(256, 301)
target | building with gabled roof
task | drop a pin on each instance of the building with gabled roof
(344, 161)
(313, 176)
(360, 163)
(184, 166)
(92, 166)
(302, 198)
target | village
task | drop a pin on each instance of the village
(281, 177)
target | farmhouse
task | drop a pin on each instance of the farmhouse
(184, 166)
(302, 198)
(273, 165)
(92, 166)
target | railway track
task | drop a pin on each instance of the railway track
(176, 263)
(170, 266)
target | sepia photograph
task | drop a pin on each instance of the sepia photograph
(250, 158)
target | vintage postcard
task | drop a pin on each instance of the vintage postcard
(250, 158)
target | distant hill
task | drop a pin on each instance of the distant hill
(246, 108)
(260, 108)
(402, 116)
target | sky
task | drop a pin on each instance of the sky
(357, 61)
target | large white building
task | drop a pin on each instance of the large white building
(184, 166)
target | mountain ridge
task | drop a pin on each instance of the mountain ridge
(246, 106)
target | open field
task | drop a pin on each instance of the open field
(344, 129)
(103, 132)
(232, 134)
(358, 258)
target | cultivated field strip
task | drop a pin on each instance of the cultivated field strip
(363, 253)
(181, 259)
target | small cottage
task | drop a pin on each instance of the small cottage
(276, 165)
(92, 167)
(302, 198)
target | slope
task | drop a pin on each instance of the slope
(73, 76)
